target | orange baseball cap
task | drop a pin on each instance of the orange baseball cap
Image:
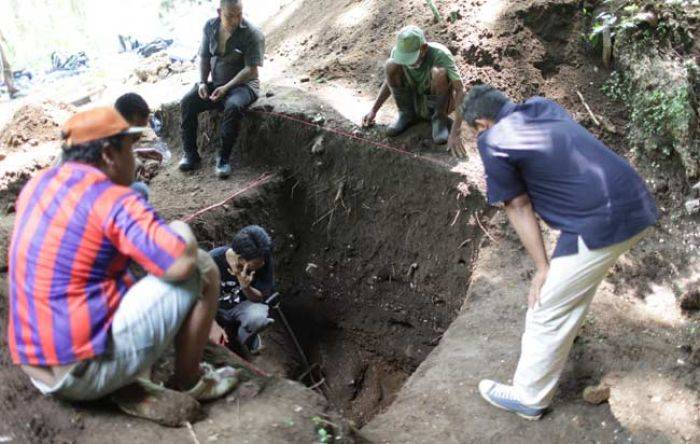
(96, 124)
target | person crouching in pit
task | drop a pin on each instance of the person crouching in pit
(247, 280)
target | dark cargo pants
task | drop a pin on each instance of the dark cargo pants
(233, 106)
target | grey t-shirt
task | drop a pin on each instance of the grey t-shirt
(245, 47)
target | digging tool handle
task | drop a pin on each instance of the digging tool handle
(274, 300)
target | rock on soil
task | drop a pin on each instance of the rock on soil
(159, 67)
(596, 394)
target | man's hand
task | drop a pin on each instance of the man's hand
(368, 119)
(455, 145)
(538, 280)
(245, 278)
(203, 91)
(217, 334)
(218, 93)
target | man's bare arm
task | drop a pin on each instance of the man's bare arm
(186, 264)
(454, 142)
(253, 294)
(204, 69)
(522, 217)
(247, 73)
(384, 93)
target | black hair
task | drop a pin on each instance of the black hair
(252, 242)
(482, 102)
(230, 2)
(90, 152)
(132, 107)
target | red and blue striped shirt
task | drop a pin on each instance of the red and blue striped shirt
(75, 232)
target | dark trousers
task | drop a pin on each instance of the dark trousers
(233, 105)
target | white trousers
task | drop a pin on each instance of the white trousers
(552, 326)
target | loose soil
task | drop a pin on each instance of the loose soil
(403, 287)
(33, 124)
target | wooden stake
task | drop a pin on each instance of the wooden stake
(588, 108)
(436, 13)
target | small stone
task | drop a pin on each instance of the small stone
(695, 191)
(269, 94)
(690, 300)
(318, 147)
(596, 394)
(311, 268)
(693, 206)
(304, 79)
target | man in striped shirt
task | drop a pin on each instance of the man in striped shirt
(78, 324)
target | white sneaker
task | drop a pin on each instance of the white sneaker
(214, 383)
(504, 397)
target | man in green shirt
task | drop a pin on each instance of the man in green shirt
(426, 85)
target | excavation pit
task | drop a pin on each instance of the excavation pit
(373, 249)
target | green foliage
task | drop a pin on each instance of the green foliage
(660, 114)
(324, 430)
(616, 87)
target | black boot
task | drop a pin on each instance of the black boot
(223, 167)
(190, 161)
(407, 111)
(442, 125)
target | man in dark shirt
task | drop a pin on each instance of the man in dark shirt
(232, 51)
(247, 280)
(539, 161)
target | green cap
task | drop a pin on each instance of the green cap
(408, 44)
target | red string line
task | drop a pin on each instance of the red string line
(264, 178)
(352, 136)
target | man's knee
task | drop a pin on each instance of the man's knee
(394, 73)
(233, 112)
(187, 100)
(188, 104)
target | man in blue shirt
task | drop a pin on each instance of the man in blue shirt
(539, 161)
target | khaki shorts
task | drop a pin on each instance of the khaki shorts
(145, 324)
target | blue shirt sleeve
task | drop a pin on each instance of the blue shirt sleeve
(503, 181)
